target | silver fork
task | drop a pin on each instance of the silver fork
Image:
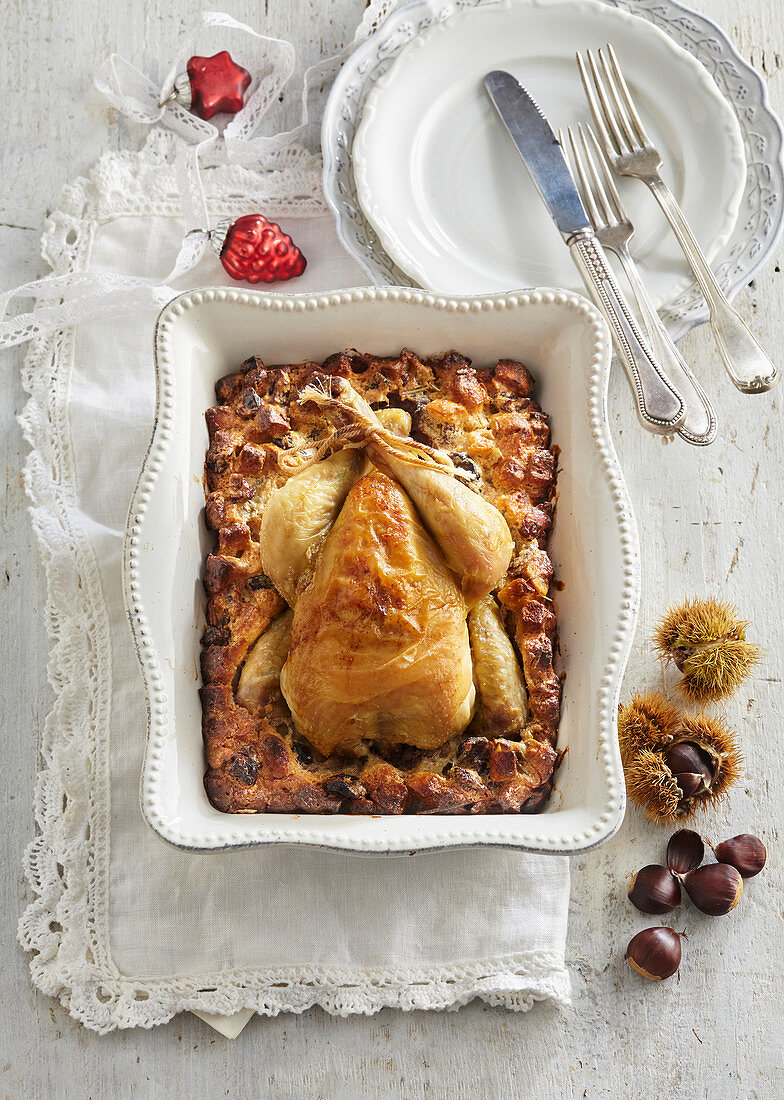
(632, 153)
(614, 230)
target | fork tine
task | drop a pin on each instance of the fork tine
(627, 96)
(596, 110)
(612, 192)
(584, 183)
(621, 142)
(615, 96)
(566, 141)
(598, 190)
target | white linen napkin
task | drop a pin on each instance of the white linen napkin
(128, 931)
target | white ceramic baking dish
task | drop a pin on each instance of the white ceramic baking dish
(205, 334)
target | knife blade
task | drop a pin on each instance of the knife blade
(659, 405)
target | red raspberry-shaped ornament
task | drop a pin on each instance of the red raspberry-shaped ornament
(213, 86)
(257, 250)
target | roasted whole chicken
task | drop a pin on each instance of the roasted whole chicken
(385, 678)
(379, 644)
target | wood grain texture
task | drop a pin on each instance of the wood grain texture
(709, 521)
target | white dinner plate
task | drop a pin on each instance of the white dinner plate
(203, 335)
(445, 190)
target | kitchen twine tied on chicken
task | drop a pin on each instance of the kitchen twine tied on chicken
(65, 300)
(356, 426)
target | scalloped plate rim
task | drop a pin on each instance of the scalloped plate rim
(361, 154)
(689, 313)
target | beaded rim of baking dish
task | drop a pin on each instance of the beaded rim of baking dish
(159, 716)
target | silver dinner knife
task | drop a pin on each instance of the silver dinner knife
(659, 405)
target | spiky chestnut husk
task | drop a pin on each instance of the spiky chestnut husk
(706, 640)
(714, 736)
(651, 783)
(649, 721)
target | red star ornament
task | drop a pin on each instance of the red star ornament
(216, 85)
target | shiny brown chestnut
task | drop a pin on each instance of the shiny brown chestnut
(685, 851)
(690, 783)
(687, 759)
(655, 953)
(654, 890)
(745, 852)
(714, 889)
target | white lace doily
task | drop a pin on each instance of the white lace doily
(124, 930)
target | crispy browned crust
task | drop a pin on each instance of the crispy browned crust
(490, 424)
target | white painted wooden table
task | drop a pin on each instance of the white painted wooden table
(708, 521)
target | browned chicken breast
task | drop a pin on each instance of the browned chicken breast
(379, 645)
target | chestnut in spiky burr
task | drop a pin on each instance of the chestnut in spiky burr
(647, 720)
(675, 766)
(706, 640)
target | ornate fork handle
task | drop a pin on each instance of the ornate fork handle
(700, 426)
(746, 363)
(659, 406)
